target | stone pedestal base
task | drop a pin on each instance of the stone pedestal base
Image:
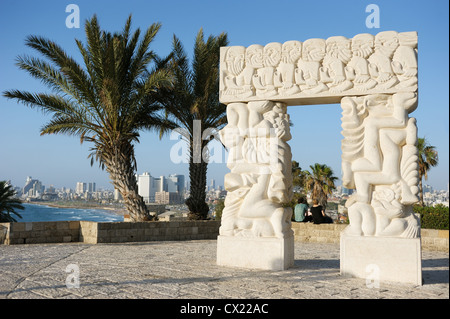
(256, 253)
(379, 259)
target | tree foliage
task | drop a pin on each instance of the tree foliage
(9, 203)
(106, 102)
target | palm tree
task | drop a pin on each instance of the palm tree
(428, 157)
(105, 103)
(298, 176)
(320, 180)
(8, 203)
(193, 105)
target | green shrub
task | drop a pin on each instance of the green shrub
(436, 217)
(219, 208)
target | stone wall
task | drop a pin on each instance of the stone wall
(119, 232)
(116, 232)
(42, 232)
(323, 233)
(432, 239)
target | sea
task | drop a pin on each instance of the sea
(42, 213)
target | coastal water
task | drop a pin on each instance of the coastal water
(41, 213)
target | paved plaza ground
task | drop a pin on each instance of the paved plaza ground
(188, 270)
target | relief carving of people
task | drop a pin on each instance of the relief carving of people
(380, 157)
(260, 182)
(380, 67)
(385, 63)
(285, 75)
(308, 75)
(357, 69)
(264, 79)
(338, 54)
(404, 61)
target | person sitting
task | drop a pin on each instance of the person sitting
(318, 214)
(301, 211)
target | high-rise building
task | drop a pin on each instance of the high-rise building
(33, 187)
(148, 185)
(81, 188)
(91, 187)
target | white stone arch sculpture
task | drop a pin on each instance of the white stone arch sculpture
(374, 77)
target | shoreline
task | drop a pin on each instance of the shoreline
(114, 210)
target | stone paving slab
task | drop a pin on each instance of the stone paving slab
(188, 270)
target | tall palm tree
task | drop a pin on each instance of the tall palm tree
(428, 157)
(320, 180)
(298, 175)
(9, 204)
(105, 103)
(193, 105)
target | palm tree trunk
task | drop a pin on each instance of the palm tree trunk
(122, 173)
(198, 209)
(420, 192)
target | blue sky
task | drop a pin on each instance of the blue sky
(61, 160)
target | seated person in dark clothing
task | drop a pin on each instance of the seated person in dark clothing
(318, 214)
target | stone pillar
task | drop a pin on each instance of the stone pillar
(256, 229)
(380, 161)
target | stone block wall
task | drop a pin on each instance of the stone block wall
(42, 232)
(156, 231)
(114, 232)
(434, 239)
(431, 239)
(117, 232)
(323, 233)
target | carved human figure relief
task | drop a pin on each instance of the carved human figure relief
(338, 54)
(404, 61)
(290, 53)
(264, 80)
(357, 69)
(379, 157)
(234, 61)
(259, 182)
(380, 67)
(308, 75)
(336, 67)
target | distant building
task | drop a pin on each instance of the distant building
(81, 188)
(148, 186)
(33, 188)
(347, 191)
(169, 198)
(91, 187)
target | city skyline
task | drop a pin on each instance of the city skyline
(60, 160)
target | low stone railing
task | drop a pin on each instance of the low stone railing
(117, 232)
(432, 239)
(111, 232)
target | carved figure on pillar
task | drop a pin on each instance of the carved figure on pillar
(379, 160)
(260, 163)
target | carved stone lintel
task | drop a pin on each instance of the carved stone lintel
(319, 70)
